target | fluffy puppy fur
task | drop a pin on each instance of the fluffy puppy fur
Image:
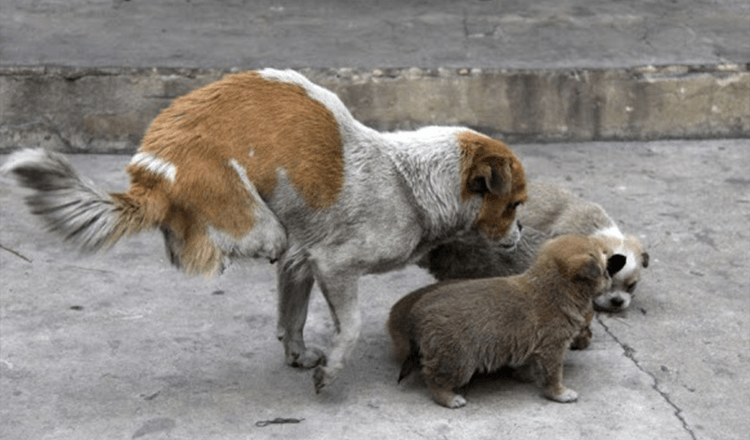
(456, 328)
(267, 164)
(549, 212)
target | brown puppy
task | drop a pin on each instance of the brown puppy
(454, 329)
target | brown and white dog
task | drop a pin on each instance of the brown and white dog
(456, 328)
(268, 164)
(550, 211)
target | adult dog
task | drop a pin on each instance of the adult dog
(268, 164)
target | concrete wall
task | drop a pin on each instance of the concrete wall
(108, 110)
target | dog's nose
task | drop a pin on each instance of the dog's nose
(617, 302)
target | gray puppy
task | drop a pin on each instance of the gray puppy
(549, 212)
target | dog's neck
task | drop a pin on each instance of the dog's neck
(429, 162)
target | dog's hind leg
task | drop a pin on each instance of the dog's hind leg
(341, 294)
(295, 281)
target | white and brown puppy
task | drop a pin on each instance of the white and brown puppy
(456, 328)
(549, 212)
(268, 164)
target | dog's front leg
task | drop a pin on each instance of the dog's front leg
(341, 295)
(295, 283)
(552, 365)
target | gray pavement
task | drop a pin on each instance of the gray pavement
(120, 345)
(89, 76)
(511, 34)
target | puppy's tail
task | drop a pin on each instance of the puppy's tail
(74, 207)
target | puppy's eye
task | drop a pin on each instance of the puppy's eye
(513, 206)
(631, 287)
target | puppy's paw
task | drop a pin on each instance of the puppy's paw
(565, 396)
(322, 377)
(446, 397)
(580, 342)
(308, 358)
(457, 402)
(582, 339)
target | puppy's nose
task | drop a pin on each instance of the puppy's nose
(617, 302)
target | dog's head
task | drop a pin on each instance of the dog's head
(490, 170)
(618, 297)
(585, 261)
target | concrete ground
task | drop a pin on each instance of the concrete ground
(509, 34)
(121, 346)
(88, 76)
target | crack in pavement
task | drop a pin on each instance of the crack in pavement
(629, 352)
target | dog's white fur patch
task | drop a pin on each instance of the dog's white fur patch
(155, 165)
(267, 239)
(611, 231)
(622, 248)
(320, 94)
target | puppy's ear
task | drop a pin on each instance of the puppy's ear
(645, 257)
(586, 267)
(615, 263)
(490, 174)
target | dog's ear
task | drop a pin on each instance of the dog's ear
(490, 174)
(645, 257)
(615, 263)
(586, 267)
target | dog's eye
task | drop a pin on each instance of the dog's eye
(513, 206)
(631, 287)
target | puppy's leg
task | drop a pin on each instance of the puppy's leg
(582, 339)
(527, 373)
(295, 282)
(445, 395)
(341, 294)
(554, 389)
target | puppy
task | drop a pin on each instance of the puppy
(456, 328)
(268, 164)
(549, 212)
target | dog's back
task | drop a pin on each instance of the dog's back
(555, 211)
(475, 256)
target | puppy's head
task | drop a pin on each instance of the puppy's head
(618, 297)
(585, 261)
(490, 170)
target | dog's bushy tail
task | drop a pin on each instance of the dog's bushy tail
(71, 205)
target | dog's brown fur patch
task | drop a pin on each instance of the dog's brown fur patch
(460, 327)
(266, 126)
(490, 167)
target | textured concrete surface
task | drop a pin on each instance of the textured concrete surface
(88, 76)
(85, 110)
(512, 34)
(121, 346)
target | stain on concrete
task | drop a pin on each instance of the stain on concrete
(161, 424)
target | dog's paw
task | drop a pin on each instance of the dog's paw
(457, 402)
(322, 377)
(309, 358)
(566, 396)
(581, 342)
